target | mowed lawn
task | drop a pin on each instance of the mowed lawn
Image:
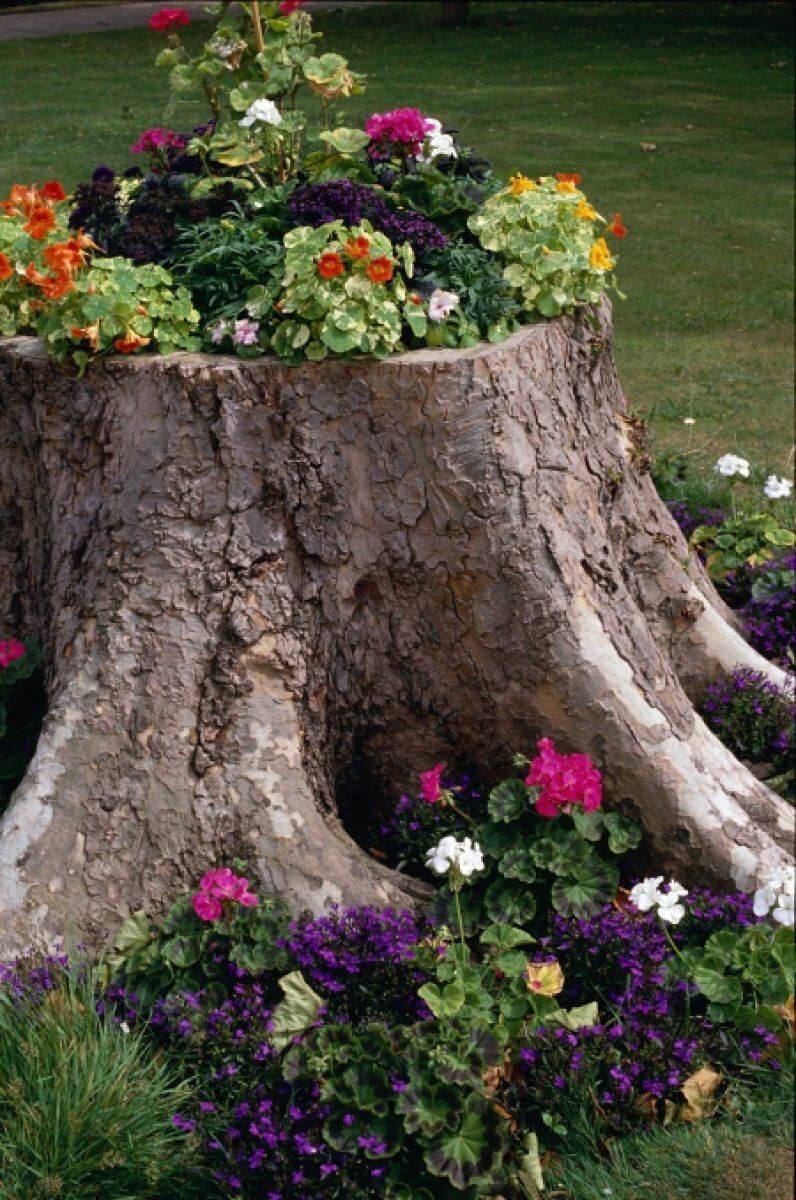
(707, 266)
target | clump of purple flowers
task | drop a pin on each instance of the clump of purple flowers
(752, 716)
(364, 962)
(29, 979)
(654, 1031)
(689, 518)
(770, 612)
(261, 1137)
(319, 203)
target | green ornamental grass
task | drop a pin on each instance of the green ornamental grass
(85, 1108)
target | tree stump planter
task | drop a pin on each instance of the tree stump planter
(245, 574)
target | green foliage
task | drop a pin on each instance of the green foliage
(485, 298)
(551, 254)
(744, 974)
(746, 539)
(676, 478)
(116, 303)
(183, 953)
(449, 201)
(349, 313)
(85, 1109)
(220, 261)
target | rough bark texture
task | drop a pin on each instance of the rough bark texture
(245, 576)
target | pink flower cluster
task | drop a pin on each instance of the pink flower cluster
(10, 651)
(431, 784)
(165, 20)
(218, 888)
(287, 7)
(154, 141)
(406, 128)
(566, 781)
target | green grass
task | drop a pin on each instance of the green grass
(747, 1157)
(705, 330)
(85, 1109)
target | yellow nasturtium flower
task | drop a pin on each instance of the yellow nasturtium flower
(544, 979)
(521, 183)
(566, 187)
(585, 210)
(600, 256)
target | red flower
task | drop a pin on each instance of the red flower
(330, 265)
(130, 342)
(380, 270)
(616, 227)
(53, 191)
(40, 222)
(358, 247)
(287, 7)
(563, 177)
(6, 270)
(167, 19)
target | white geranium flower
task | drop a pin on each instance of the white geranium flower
(441, 304)
(466, 856)
(645, 895)
(669, 907)
(437, 142)
(262, 110)
(730, 465)
(777, 488)
(776, 896)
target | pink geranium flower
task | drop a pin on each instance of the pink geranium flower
(165, 20)
(565, 781)
(220, 887)
(155, 141)
(431, 784)
(286, 7)
(10, 651)
(403, 128)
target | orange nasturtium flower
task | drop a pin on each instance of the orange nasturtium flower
(616, 227)
(40, 222)
(568, 177)
(56, 286)
(380, 270)
(600, 256)
(67, 257)
(358, 247)
(585, 210)
(6, 270)
(34, 275)
(131, 342)
(330, 265)
(566, 187)
(521, 183)
(86, 333)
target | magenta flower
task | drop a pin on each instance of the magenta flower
(404, 129)
(10, 651)
(566, 781)
(219, 887)
(158, 140)
(431, 784)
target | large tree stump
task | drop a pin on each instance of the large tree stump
(246, 575)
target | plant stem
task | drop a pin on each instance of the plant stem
(257, 25)
(461, 922)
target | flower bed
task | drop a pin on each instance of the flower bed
(377, 1054)
(275, 227)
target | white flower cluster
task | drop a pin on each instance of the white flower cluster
(776, 897)
(648, 895)
(437, 142)
(262, 110)
(777, 487)
(730, 465)
(465, 856)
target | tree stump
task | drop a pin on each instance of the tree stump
(247, 575)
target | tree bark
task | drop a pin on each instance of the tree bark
(247, 575)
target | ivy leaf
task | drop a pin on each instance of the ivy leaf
(508, 801)
(296, 1013)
